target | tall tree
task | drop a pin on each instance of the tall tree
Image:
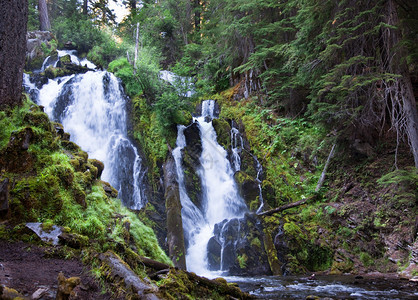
(13, 23)
(44, 23)
(85, 7)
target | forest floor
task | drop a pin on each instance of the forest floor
(28, 268)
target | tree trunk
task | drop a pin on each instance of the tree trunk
(85, 7)
(132, 7)
(136, 47)
(197, 15)
(45, 25)
(324, 171)
(13, 22)
(403, 92)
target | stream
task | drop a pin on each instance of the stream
(326, 287)
(92, 108)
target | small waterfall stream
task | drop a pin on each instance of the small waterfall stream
(221, 200)
(92, 108)
(191, 215)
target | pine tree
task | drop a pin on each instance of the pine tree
(13, 22)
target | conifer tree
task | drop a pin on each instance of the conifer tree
(13, 22)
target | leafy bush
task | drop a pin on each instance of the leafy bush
(125, 71)
(83, 33)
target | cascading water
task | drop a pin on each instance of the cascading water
(191, 215)
(92, 108)
(53, 60)
(221, 200)
(237, 145)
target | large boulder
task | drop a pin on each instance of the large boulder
(240, 242)
(64, 67)
(16, 158)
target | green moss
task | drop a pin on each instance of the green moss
(223, 132)
(255, 242)
(242, 260)
(366, 259)
(61, 189)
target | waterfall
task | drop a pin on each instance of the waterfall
(53, 61)
(191, 215)
(92, 108)
(221, 200)
(237, 144)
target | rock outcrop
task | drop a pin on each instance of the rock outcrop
(175, 235)
(39, 44)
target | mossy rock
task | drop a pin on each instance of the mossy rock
(66, 59)
(38, 119)
(53, 72)
(71, 146)
(183, 117)
(99, 166)
(73, 240)
(248, 188)
(268, 194)
(16, 158)
(223, 132)
(80, 197)
(109, 190)
(248, 164)
(7, 293)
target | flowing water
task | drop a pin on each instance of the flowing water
(92, 108)
(53, 60)
(221, 200)
(326, 287)
(191, 215)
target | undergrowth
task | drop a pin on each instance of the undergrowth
(54, 182)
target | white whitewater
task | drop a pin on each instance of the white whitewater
(221, 199)
(92, 108)
(191, 215)
(237, 145)
(49, 61)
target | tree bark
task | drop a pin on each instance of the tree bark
(132, 6)
(13, 22)
(324, 172)
(85, 7)
(197, 15)
(403, 92)
(45, 25)
(136, 47)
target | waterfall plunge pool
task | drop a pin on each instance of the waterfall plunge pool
(327, 287)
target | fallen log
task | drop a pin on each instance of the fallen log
(283, 207)
(153, 264)
(120, 274)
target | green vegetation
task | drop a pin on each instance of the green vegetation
(62, 188)
(300, 75)
(286, 148)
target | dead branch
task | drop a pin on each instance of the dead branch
(283, 207)
(324, 172)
